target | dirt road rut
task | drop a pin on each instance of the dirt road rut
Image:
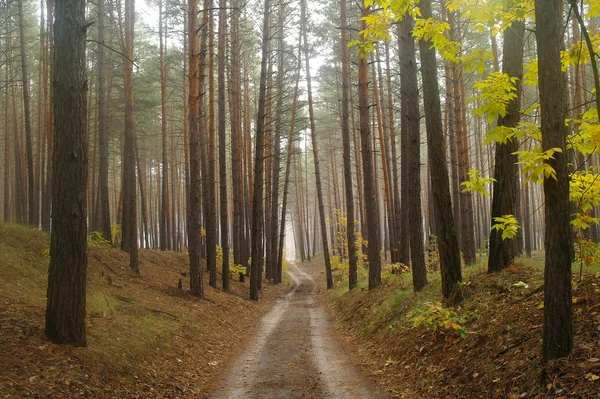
(293, 355)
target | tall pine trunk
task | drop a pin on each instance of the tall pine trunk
(370, 192)
(194, 214)
(442, 204)
(103, 127)
(504, 202)
(346, 84)
(411, 128)
(558, 313)
(222, 153)
(257, 197)
(33, 213)
(65, 311)
(315, 147)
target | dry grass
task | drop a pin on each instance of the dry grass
(146, 338)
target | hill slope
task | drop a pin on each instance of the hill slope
(500, 355)
(146, 338)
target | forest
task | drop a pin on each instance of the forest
(398, 185)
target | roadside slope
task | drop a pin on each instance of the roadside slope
(146, 338)
(500, 356)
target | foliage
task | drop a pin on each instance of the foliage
(496, 15)
(340, 239)
(115, 231)
(504, 134)
(399, 268)
(475, 60)
(96, 239)
(530, 72)
(587, 137)
(433, 254)
(433, 30)
(496, 91)
(219, 255)
(535, 167)
(394, 269)
(235, 270)
(477, 183)
(339, 264)
(587, 252)
(584, 191)
(434, 316)
(508, 225)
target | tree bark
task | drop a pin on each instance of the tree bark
(129, 225)
(165, 225)
(272, 262)
(103, 126)
(288, 167)
(504, 201)
(65, 311)
(315, 148)
(442, 204)
(33, 212)
(558, 332)
(257, 198)
(370, 193)
(194, 209)
(222, 157)
(411, 127)
(346, 82)
(209, 181)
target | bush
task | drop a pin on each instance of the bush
(434, 316)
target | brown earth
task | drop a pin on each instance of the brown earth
(499, 358)
(146, 338)
(293, 354)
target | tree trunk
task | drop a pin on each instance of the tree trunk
(210, 177)
(236, 139)
(346, 93)
(558, 333)
(257, 198)
(411, 127)
(370, 193)
(103, 127)
(7, 151)
(315, 147)
(272, 262)
(288, 167)
(65, 311)
(222, 154)
(504, 202)
(442, 204)
(165, 231)
(129, 225)
(194, 208)
(33, 213)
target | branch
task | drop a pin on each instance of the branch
(113, 50)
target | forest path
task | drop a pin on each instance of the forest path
(293, 355)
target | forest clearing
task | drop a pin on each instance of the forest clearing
(270, 199)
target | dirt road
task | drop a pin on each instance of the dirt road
(293, 355)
